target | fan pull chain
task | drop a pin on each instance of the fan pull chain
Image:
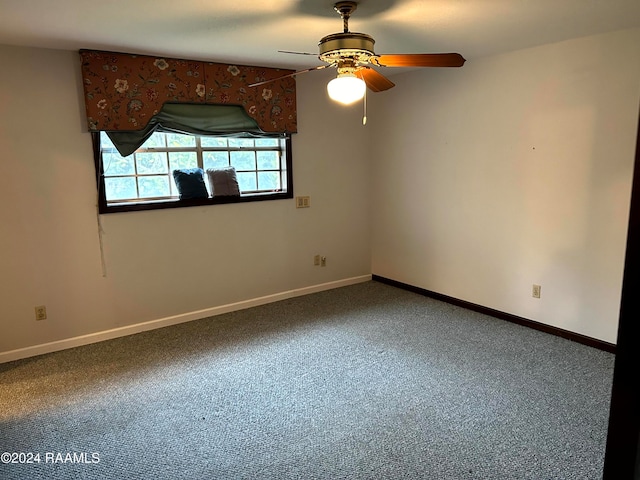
(364, 104)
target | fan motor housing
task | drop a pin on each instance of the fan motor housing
(338, 46)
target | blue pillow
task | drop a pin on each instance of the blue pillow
(190, 183)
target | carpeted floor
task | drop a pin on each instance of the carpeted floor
(362, 382)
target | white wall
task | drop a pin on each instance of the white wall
(158, 263)
(480, 181)
(513, 170)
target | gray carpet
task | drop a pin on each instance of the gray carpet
(362, 382)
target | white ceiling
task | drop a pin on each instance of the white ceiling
(252, 31)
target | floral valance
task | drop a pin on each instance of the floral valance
(123, 91)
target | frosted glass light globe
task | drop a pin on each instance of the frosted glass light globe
(346, 88)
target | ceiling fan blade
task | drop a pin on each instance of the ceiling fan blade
(419, 60)
(297, 53)
(320, 67)
(374, 80)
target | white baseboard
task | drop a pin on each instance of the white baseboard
(173, 320)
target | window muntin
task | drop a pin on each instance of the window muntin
(144, 179)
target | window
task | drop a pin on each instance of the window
(144, 179)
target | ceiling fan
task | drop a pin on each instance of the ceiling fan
(352, 55)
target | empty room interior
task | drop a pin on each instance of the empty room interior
(494, 192)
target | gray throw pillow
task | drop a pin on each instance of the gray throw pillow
(223, 181)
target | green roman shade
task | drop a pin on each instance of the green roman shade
(196, 119)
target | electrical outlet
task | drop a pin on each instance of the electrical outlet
(535, 291)
(303, 202)
(316, 260)
(41, 312)
(323, 261)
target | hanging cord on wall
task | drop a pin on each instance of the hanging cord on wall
(103, 262)
(96, 151)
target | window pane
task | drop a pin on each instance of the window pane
(147, 176)
(155, 141)
(247, 181)
(213, 142)
(268, 181)
(215, 159)
(240, 142)
(182, 160)
(105, 142)
(180, 140)
(115, 164)
(267, 160)
(267, 142)
(243, 160)
(120, 188)
(151, 163)
(155, 186)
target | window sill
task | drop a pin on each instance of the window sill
(196, 202)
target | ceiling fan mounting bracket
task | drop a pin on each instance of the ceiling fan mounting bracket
(345, 8)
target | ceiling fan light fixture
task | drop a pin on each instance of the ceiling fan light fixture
(352, 52)
(346, 88)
